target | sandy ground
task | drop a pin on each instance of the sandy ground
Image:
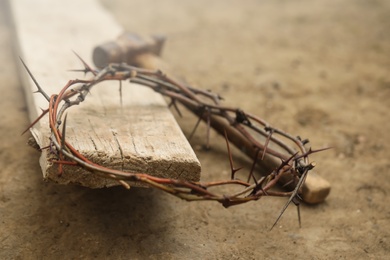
(318, 69)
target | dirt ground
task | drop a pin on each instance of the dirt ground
(318, 69)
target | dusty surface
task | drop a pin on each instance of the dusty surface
(319, 69)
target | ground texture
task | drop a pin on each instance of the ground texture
(318, 69)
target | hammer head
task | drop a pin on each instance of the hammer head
(126, 48)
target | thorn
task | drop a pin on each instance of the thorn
(87, 68)
(305, 141)
(287, 183)
(253, 166)
(233, 170)
(321, 149)
(264, 191)
(40, 90)
(312, 151)
(44, 112)
(285, 162)
(173, 103)
(293, 197)
(280, 215)
(63, 132)
(296, 200)
(195, 127)
(44, 148)
(259, 187)
(266, 143)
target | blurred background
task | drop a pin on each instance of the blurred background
(318, 69)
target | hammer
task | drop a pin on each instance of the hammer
(133, 49)
(144, 52)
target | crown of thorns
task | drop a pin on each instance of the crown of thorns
(234, 124)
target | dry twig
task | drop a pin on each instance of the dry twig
(239, 127)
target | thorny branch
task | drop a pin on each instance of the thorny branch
(240, 128)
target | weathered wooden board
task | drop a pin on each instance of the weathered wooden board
(141, 135)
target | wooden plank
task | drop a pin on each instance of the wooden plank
(140, 136)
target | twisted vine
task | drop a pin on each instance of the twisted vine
(237, 126)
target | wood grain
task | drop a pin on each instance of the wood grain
(139, 136)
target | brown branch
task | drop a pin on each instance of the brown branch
(277, 159)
